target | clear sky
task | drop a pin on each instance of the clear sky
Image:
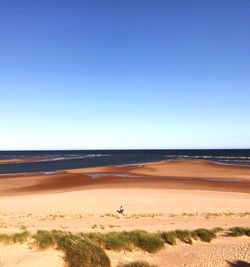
(102, 74)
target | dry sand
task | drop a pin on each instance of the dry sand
(156, 196)
(222, 252)
(21, 255)
(80, 210)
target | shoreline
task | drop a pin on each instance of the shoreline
(24, 165)
(179, 175)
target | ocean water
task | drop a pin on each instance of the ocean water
(50, 161)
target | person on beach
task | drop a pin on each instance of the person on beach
(121, 210)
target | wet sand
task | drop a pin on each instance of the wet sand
(22, 160)
(181, 175)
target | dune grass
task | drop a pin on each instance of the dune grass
(240, 231)
(5, 238)
(44, 239)
(137, 264)
(20, 237)
(15, 237)
(184, 236)
(111, 241)
(146, 241)
(169, 237)
(217, 229)
(88, 249)
(127, 240)
(79, 251)
(204, 235)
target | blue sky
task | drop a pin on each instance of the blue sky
(124, 74)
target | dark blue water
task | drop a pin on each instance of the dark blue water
(71, 159)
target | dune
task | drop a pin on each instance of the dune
(21, 255)
(222, 252)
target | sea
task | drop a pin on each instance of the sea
(56, 160)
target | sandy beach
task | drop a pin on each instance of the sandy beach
(124, 135)
(156, 197)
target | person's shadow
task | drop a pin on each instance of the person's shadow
(239, 263)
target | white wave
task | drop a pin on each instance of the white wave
(80, 157)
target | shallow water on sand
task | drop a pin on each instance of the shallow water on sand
(48, 161)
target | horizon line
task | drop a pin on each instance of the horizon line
(103, 149)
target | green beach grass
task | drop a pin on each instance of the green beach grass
(240, 231)
(15, 237)
(137, 264)
(88, 249)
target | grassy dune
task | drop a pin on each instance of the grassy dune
(88, 249)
